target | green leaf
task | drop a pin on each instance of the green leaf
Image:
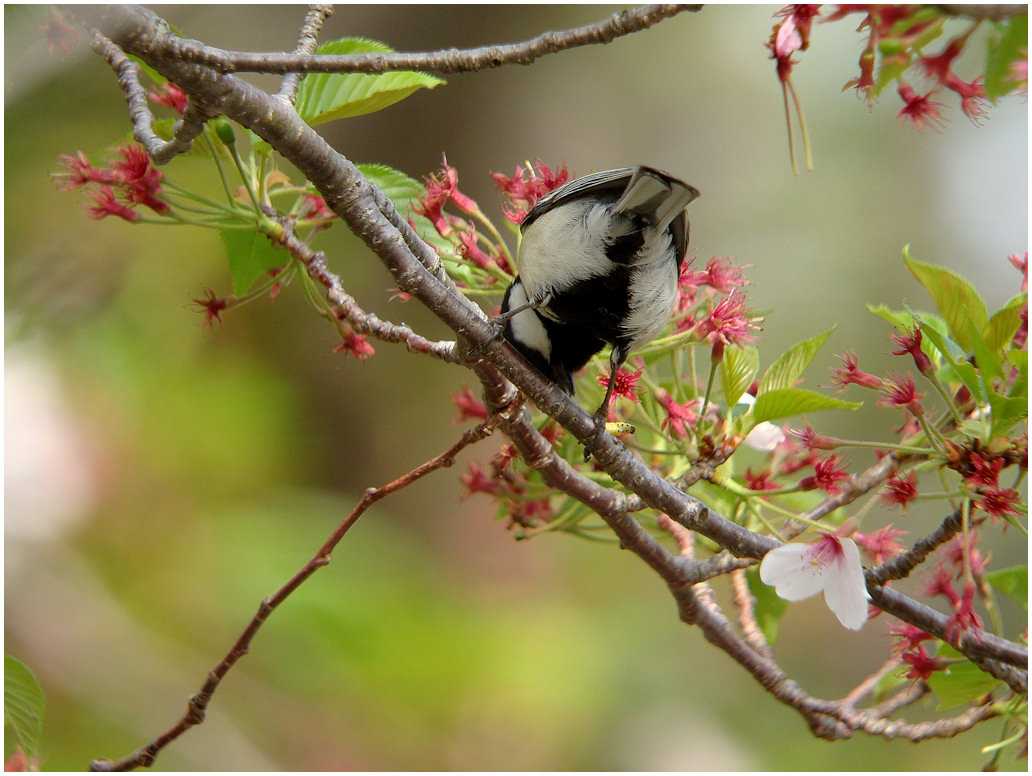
(769, 607)
(737, 369)
(955, 297)
(959, 368)
(402, 189)
(1019, 388)
(989, 360)
(790, 366)
(1012, 581)
(251, 255)
(1004, 49)
(889, 70)
(783, 402)
(327, 96)
(905, 319)
(961, 683)
(1006, 411)
(24, 704)
(1004, 323)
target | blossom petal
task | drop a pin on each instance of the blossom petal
(764, 437)
(845, 590)
(792, 571)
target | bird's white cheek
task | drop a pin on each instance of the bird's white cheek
(528, 330)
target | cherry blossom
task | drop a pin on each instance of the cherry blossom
(832, 565)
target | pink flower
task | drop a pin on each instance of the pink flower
(470, 248)
(141, 182)
(900, 492)
(679, 416)
(1018, 73)
(825, 477)
(58, 33)
(80, 172)
(1022, 265)
(850, 373)
(917, 109)
(811, 440)
(881, 545)
(998, 503)
(313, 207)
(171, 96)
(922, 665)
(910, 342)
(909, 636)
(469, 407)
(984, 473)
(451, 179)
(476, 481)
(105, 204)
(431, 205)
(729, 323)
(442, 187)
(525, 192)
(900, 391)
(832, 565)
(972, 97)
(356, 345)
(626, 383)
(212, 306)
(964, 616)
(760, 480)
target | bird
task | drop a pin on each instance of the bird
(598, 264)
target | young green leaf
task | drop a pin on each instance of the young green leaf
(1004, 323)
(1012, 581)
(962, 683)
(327, 96)
(402, 189)
(737, 369)
(769, 607)
(784, 402)
(955, 297)
(24, 704)
(1010, 37)
(790, 366)
(251, 255)
(1006, 411)
(957, 364)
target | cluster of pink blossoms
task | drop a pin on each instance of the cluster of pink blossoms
(115, 189)
(503, 481)
(896, 33)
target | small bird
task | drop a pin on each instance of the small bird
(598, 263)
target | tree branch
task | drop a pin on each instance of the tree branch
(444, 62)
(198, 704)
(306, 44)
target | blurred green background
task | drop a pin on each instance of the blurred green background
(161, 478)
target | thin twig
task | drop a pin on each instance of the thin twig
(345, 305)
(307, 40)
(189, 127)
(198, 703)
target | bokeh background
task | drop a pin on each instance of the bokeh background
(161, 477)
